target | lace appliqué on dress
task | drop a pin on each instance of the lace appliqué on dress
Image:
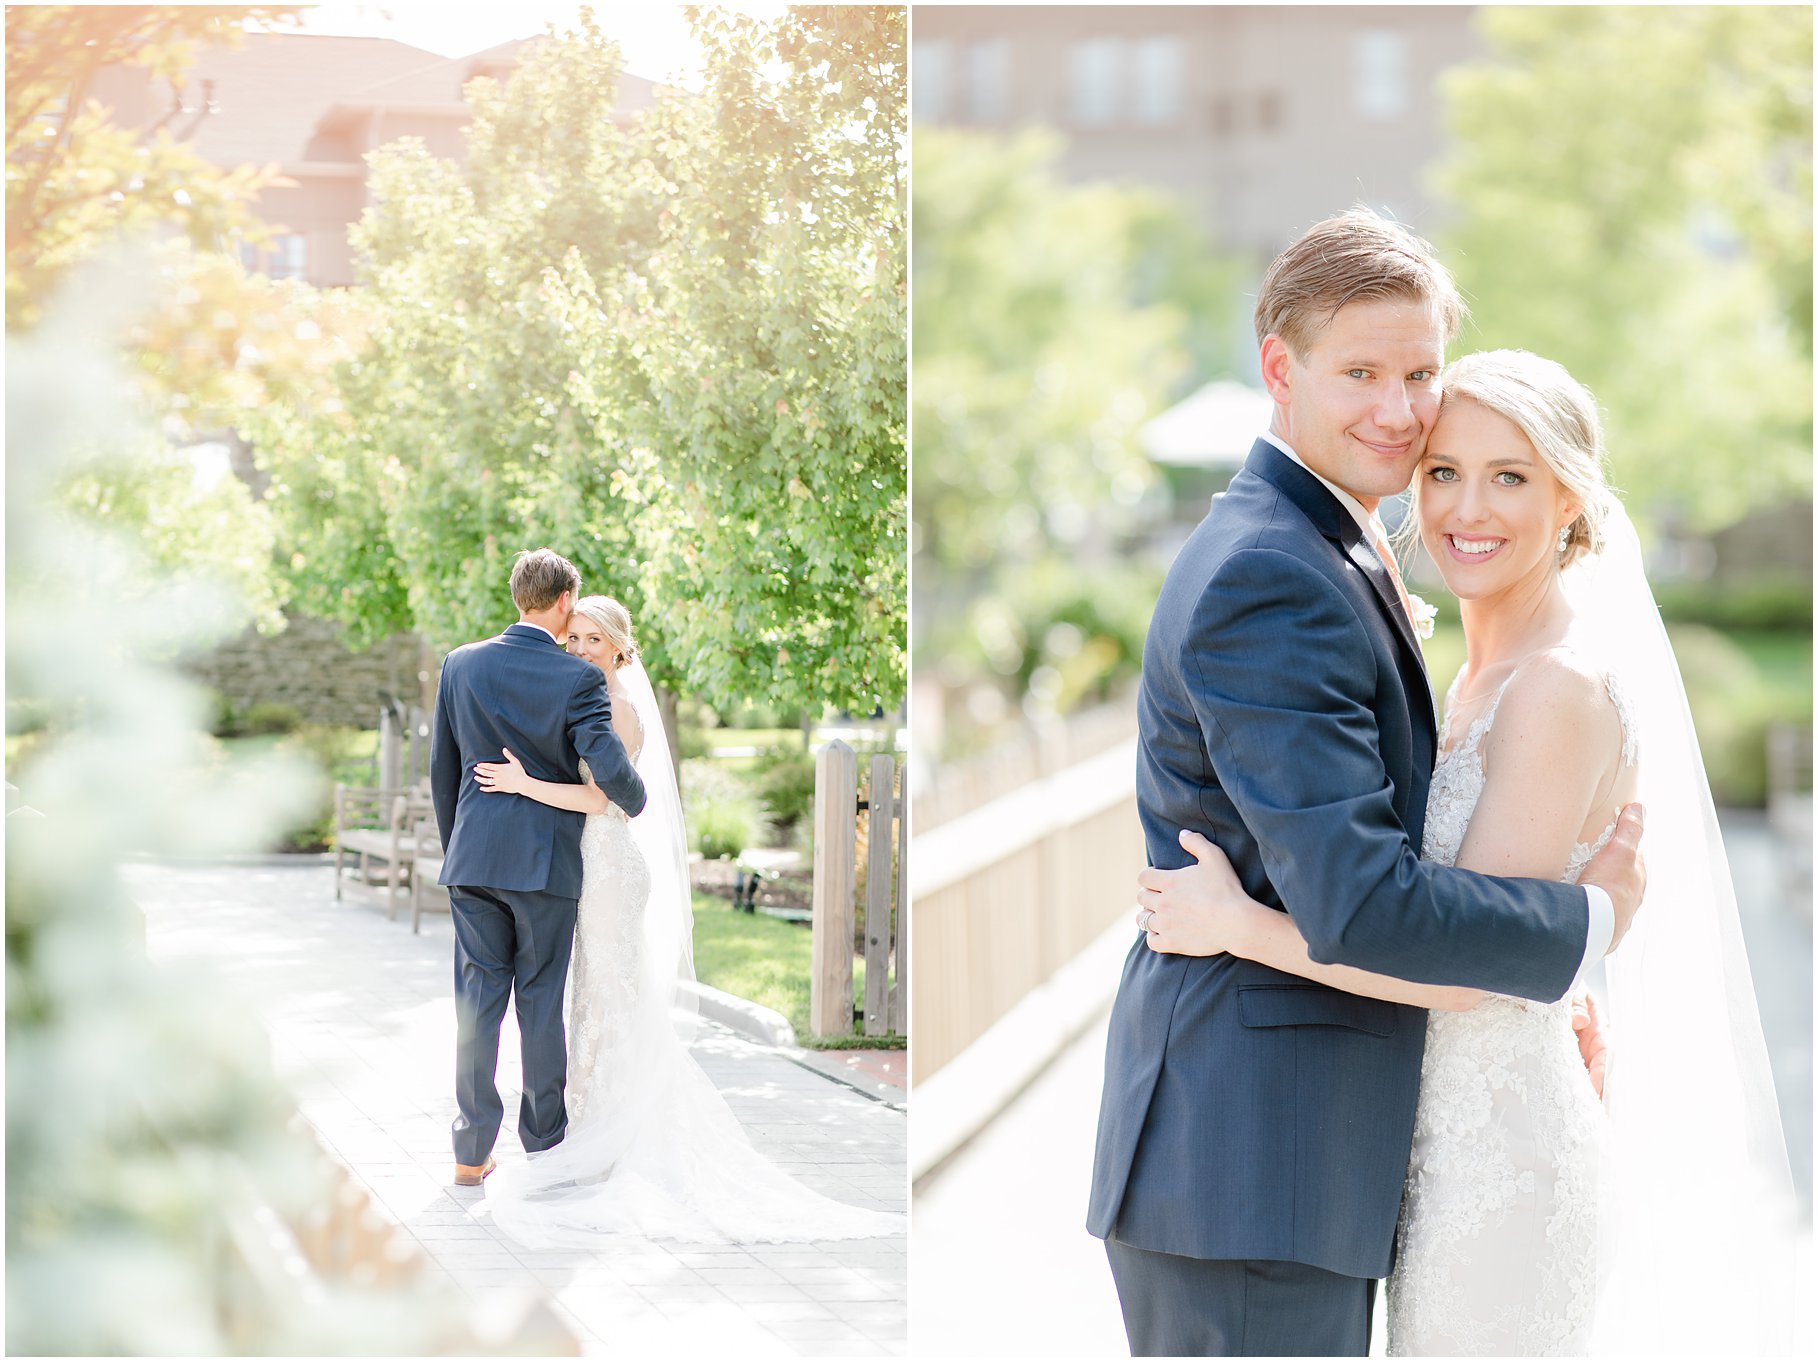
(608, 955)
(1496, 1252)
(653, 1150)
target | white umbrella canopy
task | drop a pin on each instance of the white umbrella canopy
(1215, 427)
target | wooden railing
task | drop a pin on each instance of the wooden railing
(1039, 859)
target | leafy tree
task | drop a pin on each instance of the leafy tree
(207, 344)
(1048, 328)
(671, 347)
(1634, 191)
(74, 180)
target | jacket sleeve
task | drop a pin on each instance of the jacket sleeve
(590, 730)
(1283, 680)
(444, 762)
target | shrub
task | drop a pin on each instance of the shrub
(223, 718)
(749, 715)
(270, 717)
(724, 817)
(1767, 602)
(1733, 709)
(726, 829)
(343, 756)
(786, 784)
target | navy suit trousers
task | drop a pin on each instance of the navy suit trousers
(499, 934)
(1238, 1307)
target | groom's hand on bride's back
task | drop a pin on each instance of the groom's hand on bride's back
(1620, 872)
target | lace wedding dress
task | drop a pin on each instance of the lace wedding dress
(1497, 1250)
(652, 1149)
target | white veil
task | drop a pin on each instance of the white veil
(1700, 1222)
(661, 835)
(652, 1149)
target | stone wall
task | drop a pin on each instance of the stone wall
(311, 669)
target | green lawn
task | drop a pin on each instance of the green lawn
(1783, 659)
(766, 961)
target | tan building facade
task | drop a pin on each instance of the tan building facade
(1263, 118)
(313, 106)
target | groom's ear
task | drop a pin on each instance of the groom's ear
(1275, 363)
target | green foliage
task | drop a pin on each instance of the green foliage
(1064, 638)
(222, 349)
(272, 717)
(674, 349)
(74, 181)
(1732, 709)
(1633, 191)
(143, 1119)
(723, 815)
(725, 828)
(1034, 366)
(199, 530)
(336, 755)
(1051, 322)
(211, 347)
(1783, 602)
(786, 784)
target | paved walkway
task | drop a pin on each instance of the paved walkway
(361, 1018)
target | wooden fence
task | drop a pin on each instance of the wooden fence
(1019, 862)
(850, 831)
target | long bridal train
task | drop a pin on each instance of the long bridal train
(652, 1148)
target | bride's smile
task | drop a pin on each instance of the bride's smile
(1490, 508)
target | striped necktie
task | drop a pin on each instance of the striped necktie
(1381, 544)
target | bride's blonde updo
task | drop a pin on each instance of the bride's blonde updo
(614, 621)
(1558, 416)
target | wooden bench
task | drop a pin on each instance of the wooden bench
(425, 870)
(378, 830)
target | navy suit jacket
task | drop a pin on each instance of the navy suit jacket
(1285, 713)
(521, 691)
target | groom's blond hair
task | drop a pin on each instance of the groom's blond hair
(1355, 257)
(539, 578)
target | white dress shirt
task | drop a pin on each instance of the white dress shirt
(534, 625)
(1601, 922)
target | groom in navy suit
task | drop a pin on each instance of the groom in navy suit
(1256, 1126)
(513, 866)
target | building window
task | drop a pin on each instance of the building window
(988, 80)
(1380, 71)
(929, 74)
(1092, 81)
(1157, 86)
(290, 256)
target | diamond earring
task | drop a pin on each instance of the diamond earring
(1565, 533)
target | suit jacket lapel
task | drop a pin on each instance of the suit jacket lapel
(1334, 522)
(1362, 553)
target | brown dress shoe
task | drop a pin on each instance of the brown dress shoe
(470, 1175)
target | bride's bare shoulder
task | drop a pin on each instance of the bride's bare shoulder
(625, 721)
(1559, 697)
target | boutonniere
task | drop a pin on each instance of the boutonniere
(1423, 616)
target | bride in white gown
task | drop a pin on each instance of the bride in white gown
(651, 1149)
(1537, 1220)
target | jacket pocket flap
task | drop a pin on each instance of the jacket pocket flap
(1313, 1005)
